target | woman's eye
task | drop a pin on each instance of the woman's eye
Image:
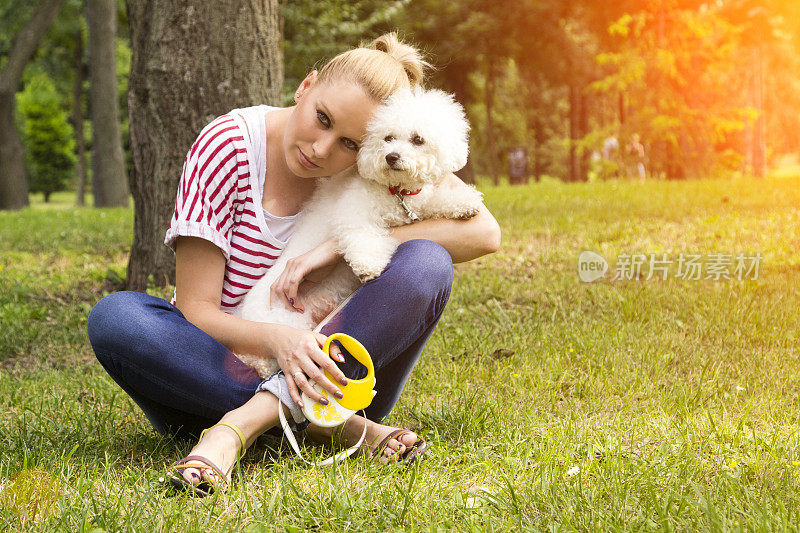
(388, 138)
(350, 144)
(323, 119)
(416, 139)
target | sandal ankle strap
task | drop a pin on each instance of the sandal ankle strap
(235, 430)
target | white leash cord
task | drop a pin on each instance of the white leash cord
(285, 425)
(290, 436)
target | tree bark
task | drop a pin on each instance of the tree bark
(573, 132)
(491, 75)
(583, 127)
(13, 182)
(455, 81)
(109, 182)
(192, 61)
(77, 122)
(467, 173)
(759, 139)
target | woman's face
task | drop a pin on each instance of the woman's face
(324, 132)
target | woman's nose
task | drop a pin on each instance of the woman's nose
(323, 145)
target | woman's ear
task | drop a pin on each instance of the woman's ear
(305, 85)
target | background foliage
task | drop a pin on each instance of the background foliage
(696, 80)
(47, 135)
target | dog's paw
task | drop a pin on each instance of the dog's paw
(460, 204)
(363, 278)
(368, 270)
(466, 212)
(371, 256)
(369, 267)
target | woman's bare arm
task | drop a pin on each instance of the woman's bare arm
(200, 269)
(463, 239)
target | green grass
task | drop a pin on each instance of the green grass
(677, 401)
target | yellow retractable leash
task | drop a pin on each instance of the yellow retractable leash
(357, 395)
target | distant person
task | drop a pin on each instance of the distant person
(636, 158)
(518, 165)
(610, 148)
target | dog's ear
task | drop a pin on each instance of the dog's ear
(453, 124)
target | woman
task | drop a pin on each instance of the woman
(243, 183)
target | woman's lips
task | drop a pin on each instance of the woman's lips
(306, 162)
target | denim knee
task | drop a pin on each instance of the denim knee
(118, 321)
(423, 271)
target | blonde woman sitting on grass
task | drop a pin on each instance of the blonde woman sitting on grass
(244, 182)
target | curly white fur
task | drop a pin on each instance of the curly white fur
(412, 141)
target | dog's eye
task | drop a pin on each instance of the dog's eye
(388, 138)
(416, 139)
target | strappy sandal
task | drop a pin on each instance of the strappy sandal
(412, 452)
(205, 487)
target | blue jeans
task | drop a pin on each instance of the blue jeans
(184, 380)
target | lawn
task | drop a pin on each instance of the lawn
(549, 403)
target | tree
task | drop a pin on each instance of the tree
(48, 137)
(317, 30)
(191, 61)
(109, 182)
(677, 68)
(13, 183)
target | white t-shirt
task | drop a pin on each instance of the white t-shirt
(220, 199)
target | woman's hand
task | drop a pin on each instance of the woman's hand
(300, 356)
(311, 267)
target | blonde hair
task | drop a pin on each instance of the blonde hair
(382, 67)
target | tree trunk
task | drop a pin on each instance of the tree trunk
(467, 174)
(573, 133)
(77, 122)
(491, 143)
(109, 182)
(192, 61)
(455, 81)
(538, 149)
(13, 182)
(583, 128)
(759, 144)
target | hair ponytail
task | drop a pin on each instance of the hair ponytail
(408, 56)
(382, 67)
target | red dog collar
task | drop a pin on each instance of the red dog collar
(404, 192)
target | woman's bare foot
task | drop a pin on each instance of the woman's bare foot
(353, 429)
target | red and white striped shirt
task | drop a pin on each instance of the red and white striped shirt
(219, 199)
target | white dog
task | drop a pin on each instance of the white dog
(412, 141)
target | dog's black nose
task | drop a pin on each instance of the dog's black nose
(392, 158)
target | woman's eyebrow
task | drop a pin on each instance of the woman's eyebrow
(327, 112)
(333, 121)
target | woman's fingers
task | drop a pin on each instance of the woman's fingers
(314, 368)
(316, 373)
(289, 287)
(292, 386)
(327, 363)
(294, 274)
(279, 294)
(336, 353)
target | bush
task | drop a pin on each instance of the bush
(47, 136)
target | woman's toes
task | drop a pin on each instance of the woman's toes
(388, 452)
(408, 440)
(212, 477)
(192, 476)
